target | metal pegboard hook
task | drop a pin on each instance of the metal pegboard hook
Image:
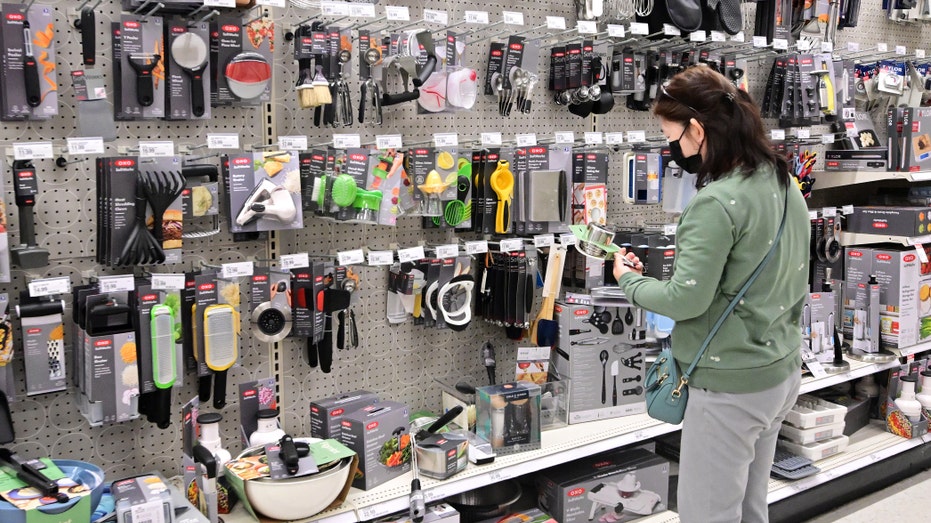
(204, 18)
(205, 265)
(370, 22)
(85, 2)
(145, 17)
(480, 29)
(261, 17)
(408, 25)
(551, 35)
(201, 157)
(259, 146)
(27, 6)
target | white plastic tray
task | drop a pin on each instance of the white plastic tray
(810, 411)
(811, 435)
(819, 450)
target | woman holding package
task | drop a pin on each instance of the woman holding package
(748, 378)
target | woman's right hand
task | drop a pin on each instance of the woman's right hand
(621, 267)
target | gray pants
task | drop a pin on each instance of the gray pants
(728, 441)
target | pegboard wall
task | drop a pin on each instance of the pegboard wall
(398, 362)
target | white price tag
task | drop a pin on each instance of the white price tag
(849, 114)
(49, 287)
(900, 50)
(272, 3)
(616, 31)
(85, 146)
(827, 138)
(116, 283)
(362, 10)
(511, 245)
(882, 47)
(411, 254)
(697, 36)
(829, 212)
(445, 139)
(353, 257)
(555, 22)
(803, 45)
(564, 137)
(498, 475)
(294, 261)
(32, 150)
(526, 140)
(777, 134)
(214, 3)
(816, 369)
(152, 511)
(476, 17)
(853, 47)
(718, 36)
(586, 27)
(614, 138)
(759, 41)
(168, 282)
(447, 251)
(292, 143)
(919, 53)
(346, 141)
(476, 247)
(670, 229)
(812, 215)
(847, 209)
(543, 240)
(803, 133)
(639, 28)
(389, 141)
(567, 239)
(920, 251)
(223, 141)
(827, 47)
(381, 258)
(636, 136)
(435, 17)
(396, 13)
(780, 44)
(334, 8)
(739, 37)
(671, 30)
(594, 138)
(237, 270)
(156, 149)
(490, 139)
(512, 18)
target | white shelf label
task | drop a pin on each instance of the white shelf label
(292, 143)
(49, 286)
(639, 28)
(829, 212)
(411, 254)
(670, 228)
(447, 251)
(389, 141)
(116, 283)
(156, 149)
(827, 47)
(803, 133)
(586, 27)
(816, 369)
(564, 137)
(671, 30)
(168, 282)
(803, 45)
(294, 261)
(739, 37)
(353, 257)
(614, 138)
(512, 18)
(594, 138)
(526, 140)
(396, 13)
(759, 41)
(882, 47)
(271, 3)
(491, 139)
(853, 47)
(362, 10)
(223, 141)
(616, 31)
(555, 22)
(812, 215)
(900, 50)
(32, 150)
(476, 17)
(697, 36)
(543, 240)
(85, 145)
(436, 17)
(476, 247)
(499, 475)
(152, 511)
(511, 245)
(445, 139)
(334, 8)
(780, 44)
(919, 53)
(347, 141)
(636, 136)
(567, 239)
(216, 3)
(237, 270)
(377, 258)
(847, 209)
(718, 36)
(827, 138)
(777, 134)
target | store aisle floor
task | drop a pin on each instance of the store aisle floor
(894, 504)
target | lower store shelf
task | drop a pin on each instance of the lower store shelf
(667, 516)
(858, 369)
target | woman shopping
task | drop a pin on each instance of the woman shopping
(748, 377)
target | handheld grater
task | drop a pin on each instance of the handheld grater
(164, 371)
(221, 347)
(203, 382)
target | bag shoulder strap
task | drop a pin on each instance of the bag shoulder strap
(740, 294)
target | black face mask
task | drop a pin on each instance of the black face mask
(691, 164)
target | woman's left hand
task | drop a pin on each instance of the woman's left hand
(621, 268)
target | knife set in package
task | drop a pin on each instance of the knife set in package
(139, 210)
(263, 191)
(28, 74)
(355, 185)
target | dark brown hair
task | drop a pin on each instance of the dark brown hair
(734, 134)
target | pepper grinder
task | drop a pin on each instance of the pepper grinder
(906, 401)
(210, 438)
(268, 430)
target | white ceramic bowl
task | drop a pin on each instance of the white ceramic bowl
(296, 498)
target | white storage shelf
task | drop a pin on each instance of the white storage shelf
(830, 179)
